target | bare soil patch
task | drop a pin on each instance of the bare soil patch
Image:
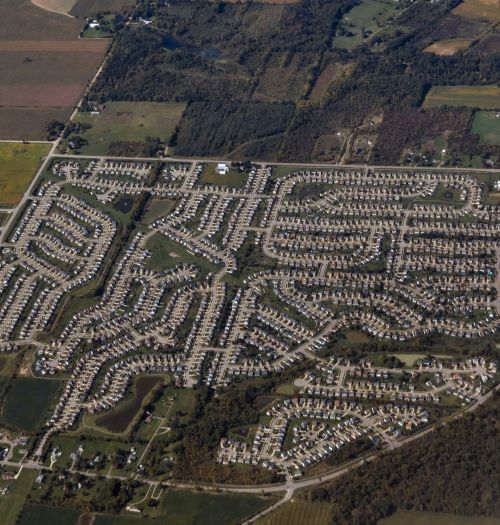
(448, 47)
(29, 123)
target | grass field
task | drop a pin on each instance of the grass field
(484, 97)
(432, 518)
(166, 254)
(27, 402)
(487, 9)
(18, 165)
(448, 47)
(298, 512)
(487, 125)
(45, 515)
(12, 503)
(129, 122)
(233, 178)
(362, 20)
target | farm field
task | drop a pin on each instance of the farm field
(128, 122)
(28, 401)
(56, 6)
(45, 67)
(484, 97)
(45, 515)
(433, 518)
(362, 20)
(487, 125)
(18, 165)
(298, 512)
(487, 9)
(12, 503)
(86, 8)
(448, 47)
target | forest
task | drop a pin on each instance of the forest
(249, 85)
(455, 469)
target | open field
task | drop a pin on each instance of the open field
(122, 122)
(45, 67)
(487, 125)
(18, 165)
(487, 9)
(28, 401)
(56, 6)
(12, 503)
(484, 97)
(232, 178)
(434, 518)
(29, 123)
(45, 515)
(448, 47)
(86, 8)
(299, 512)
(362, 20)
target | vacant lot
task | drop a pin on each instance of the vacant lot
(24, 123)
(487, 125)
(27, 402)
(129, 122)
(487, 9)
(18, 165)
(45, 515)
(432, 518)
(448, 47)
(484, 97)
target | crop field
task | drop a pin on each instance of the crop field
(487, 125)
(484, 97)
(362, 20)
(18, 165)
(12, 503)
(86, 8)
(129, 122)
(57, 6)
(448, 47)
(432, 518)
(28, 401)
(299, 512)
(45, 515)
(45, 67)
(487, 9)
(182, 507)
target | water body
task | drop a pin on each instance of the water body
(120, 417)
(124, 204)
(172, 43)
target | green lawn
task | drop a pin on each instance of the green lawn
(487, 125)
(18, 165)
(45, 515)
(12, 503)
(27, 402)
(363, 20)
(234, 178)
(128, 122)
(484, 97)
(433, 518)
(166, 254)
